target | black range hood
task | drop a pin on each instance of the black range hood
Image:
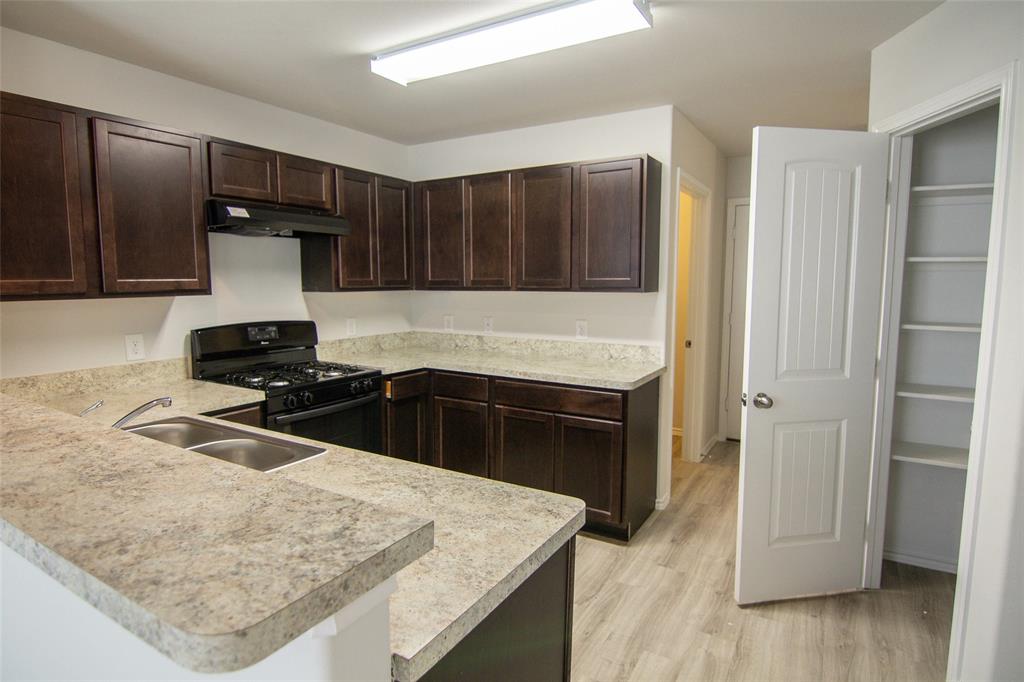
(261, 220)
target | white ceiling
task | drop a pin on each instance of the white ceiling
(727, 65)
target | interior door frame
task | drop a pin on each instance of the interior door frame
(730, 264)
(697, 314)
(996, 86)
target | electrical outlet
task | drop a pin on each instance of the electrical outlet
(581, 329)
(488, 324)
(350, 326)
(134, 347)
(449, 323)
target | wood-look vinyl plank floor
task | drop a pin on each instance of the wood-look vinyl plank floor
(661, 608)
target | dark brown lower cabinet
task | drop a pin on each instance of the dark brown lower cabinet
(524, 447)
(407, 417)
(527, 637)
(460, 435)
(588, 465)
(596, 444)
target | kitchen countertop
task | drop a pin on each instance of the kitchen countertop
(213, 564)
(597, 372)
(490, 536)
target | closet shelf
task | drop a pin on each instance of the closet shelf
(961, 190)
(961, 327)
(932, 455)
(947, 259)
(955, 394)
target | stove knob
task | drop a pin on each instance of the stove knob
(307, 398)
(291, 402)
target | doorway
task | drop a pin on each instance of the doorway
(682, 343)
(734, 316)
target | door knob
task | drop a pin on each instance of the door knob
(763, 401)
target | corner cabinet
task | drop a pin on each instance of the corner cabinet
(149, 189)
(599, 445)
(42, 233)
(378, 253)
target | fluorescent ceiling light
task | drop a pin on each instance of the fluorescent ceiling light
(546, 29)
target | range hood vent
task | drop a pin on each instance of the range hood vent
(261, 220)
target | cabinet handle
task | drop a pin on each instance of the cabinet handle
(387, 389)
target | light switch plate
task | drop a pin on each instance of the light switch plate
(350, 326)
(581, 329)
(449, 323)
(134, 347)
(488, 324)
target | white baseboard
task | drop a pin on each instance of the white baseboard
(712, 442)
(934, 563)
(661, 502)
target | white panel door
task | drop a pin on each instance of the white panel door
(813, 306)
(736, 311)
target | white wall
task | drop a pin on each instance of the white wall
(252, 278)
(737, 178)
(953, 44)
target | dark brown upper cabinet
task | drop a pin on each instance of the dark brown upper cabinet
(378, 253)
(441, 234)
(542, 234)
(488, 210)
(394, 233)
(243, 172)
(618, 218)
(305, 182)
(42, 239)
(357, 252)
(149, 189)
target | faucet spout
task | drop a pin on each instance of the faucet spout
(145, 407)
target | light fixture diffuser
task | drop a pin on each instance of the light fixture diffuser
(542, 30)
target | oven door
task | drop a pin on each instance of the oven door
(353, 423)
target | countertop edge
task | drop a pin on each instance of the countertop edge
(227, 652)
(412, 669)
(528, 375)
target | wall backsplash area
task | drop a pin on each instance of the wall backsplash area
(258, 279)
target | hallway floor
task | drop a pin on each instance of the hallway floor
(662, 607)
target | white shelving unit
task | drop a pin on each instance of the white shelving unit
(940, 294)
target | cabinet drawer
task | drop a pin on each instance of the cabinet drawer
(405, 385)
(581, 401)
(460, 386)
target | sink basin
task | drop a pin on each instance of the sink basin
(256, 451)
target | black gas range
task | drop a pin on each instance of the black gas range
(327, 401)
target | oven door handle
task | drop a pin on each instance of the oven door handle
(284, 419)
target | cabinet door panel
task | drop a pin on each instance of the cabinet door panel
(588, 465)
(442, 234)
(543, 228)
(305, 182)
(489, 231)
(406, 417)
(357, 252)
(42, 241)
(524, 447)
(394, 232)
(149, 186)
(243, 172)
(460, 435)
(610, 224)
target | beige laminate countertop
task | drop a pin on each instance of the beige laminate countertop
(624, 375)
(488, 536)
(213, 564)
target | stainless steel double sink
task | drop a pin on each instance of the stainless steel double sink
(256, 451)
